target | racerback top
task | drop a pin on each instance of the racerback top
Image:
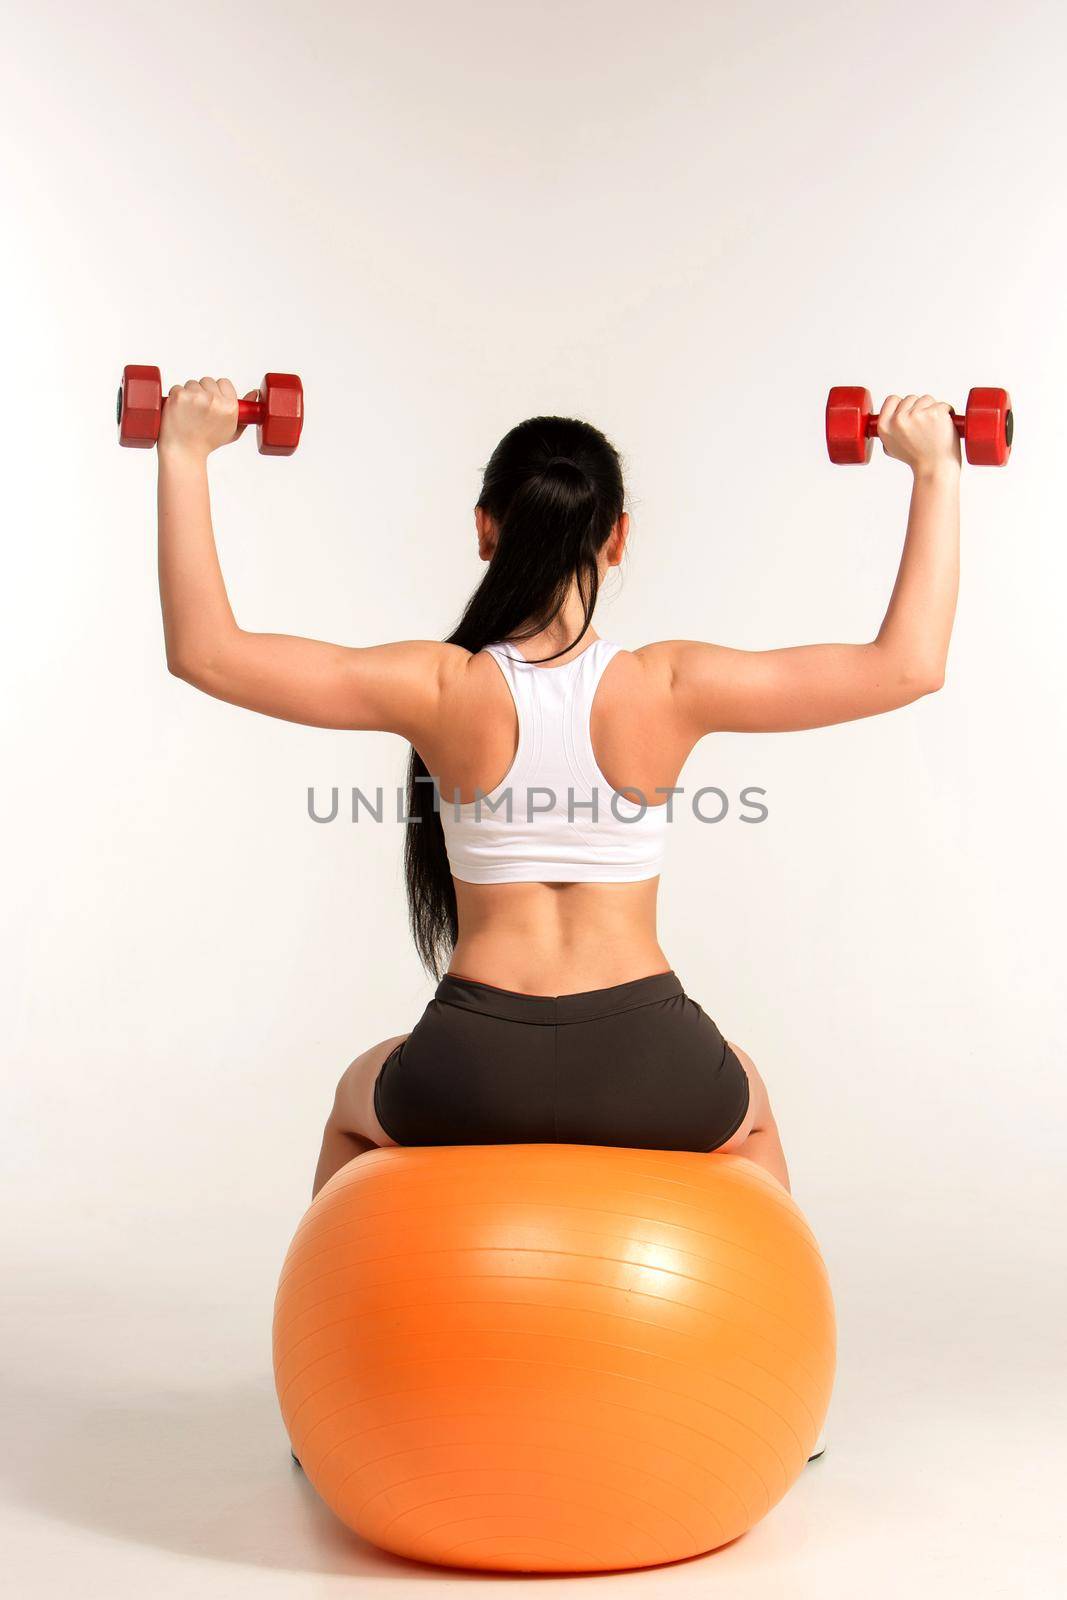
(554, 817)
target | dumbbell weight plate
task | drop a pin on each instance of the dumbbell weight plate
(140, 407)
(847, 410)
(989, 427)
(282, 395)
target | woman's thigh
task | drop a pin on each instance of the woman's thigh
(353, 1106)
(759, 1106)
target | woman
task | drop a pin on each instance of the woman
(559, 1017)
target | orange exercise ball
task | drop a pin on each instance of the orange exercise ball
(552, 1358)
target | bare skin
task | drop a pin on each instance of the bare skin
(653, 705)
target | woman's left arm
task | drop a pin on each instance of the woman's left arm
(393, 687)
(716, 689)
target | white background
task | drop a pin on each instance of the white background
(682, 222)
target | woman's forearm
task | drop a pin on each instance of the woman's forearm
(915, 633)
(197, 617)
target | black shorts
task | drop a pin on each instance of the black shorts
(639, 1065)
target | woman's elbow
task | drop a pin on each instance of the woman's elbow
(189, 667)
(903, 676)
(931, 676)
(923, 679)
(180, 664)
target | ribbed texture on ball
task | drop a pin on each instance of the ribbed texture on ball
(552, 1358)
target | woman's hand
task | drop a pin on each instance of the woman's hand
(919, 431)
(200, 416)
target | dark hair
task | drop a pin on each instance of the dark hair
(554, 489)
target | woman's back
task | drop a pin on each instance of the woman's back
(572, 904)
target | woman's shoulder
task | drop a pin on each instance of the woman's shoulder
(637, 682)
(654, 661)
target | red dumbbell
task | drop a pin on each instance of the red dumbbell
(986, 430)
(278, 413)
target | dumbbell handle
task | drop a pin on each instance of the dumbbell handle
(250, 411)
(870, 426)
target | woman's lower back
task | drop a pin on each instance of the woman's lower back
(553, 939)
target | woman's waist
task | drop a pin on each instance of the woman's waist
(581, 1005)
(560, 940)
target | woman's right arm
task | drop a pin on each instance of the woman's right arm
(394, 687)
(716, 689)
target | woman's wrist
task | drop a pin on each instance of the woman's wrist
(175, 457)
(945, 470)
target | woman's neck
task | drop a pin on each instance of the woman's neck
(562, 633)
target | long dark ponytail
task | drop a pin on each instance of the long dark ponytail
(554, 489)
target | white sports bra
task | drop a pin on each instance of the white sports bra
(554, 817)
